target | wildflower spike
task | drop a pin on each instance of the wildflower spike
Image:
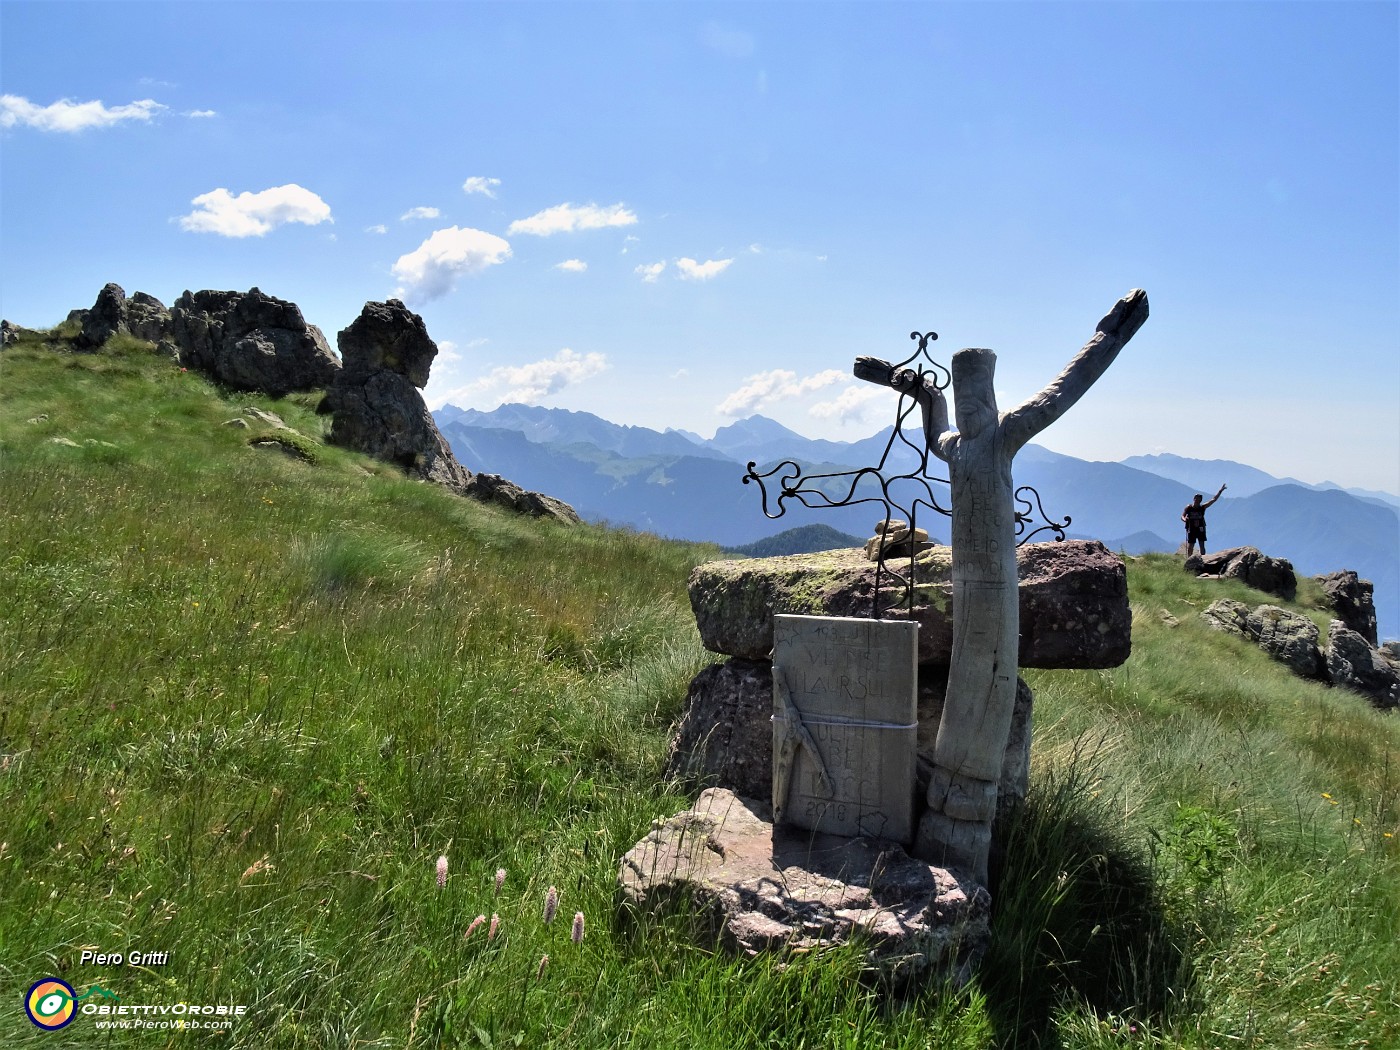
(577, 934)
(551, 904)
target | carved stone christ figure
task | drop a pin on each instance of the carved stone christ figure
(972, 735)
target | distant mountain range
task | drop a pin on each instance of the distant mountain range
(679, 484)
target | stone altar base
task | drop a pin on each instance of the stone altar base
(769, 888)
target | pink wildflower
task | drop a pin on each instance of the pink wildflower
(500, 880)
(442, 872)
(495, 925)
(577, 934)
(472, 928)
(551, 904)
(544, 961)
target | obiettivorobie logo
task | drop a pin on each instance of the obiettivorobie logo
(52, 1003)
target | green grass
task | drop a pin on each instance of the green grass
(247, 699)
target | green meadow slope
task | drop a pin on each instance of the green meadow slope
(250, 695)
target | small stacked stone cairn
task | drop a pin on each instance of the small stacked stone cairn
(895, 539)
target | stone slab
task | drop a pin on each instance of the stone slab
(761, 888)
(1073, 601)
(845, 725)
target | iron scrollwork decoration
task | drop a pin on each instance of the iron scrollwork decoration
(914, 487)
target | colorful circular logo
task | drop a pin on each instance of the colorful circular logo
(50, 1003)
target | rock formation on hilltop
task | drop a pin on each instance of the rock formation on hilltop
(251, 341)
(143, 316)
(376, 408)
(375, 405)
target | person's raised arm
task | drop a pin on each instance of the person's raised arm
(1213, 498)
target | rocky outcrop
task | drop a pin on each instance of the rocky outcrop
(1251, 566)
(143, 316)
(1286, 636)
(1348, 662)
(763, 888)
(251, 341)
(1355, 665)
(492, 488)
(1073, 594)
(725, 736)
(375, 405)
(1352, 599)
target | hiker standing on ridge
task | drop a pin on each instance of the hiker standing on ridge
(1195, 518)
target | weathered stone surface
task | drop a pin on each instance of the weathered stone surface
(725, 736)
(845, 725)
(1251, 566)
(1353, 664)
(764, 888)
(375, 404)
(492, 488)
(251, 341)
(105, 318)
(147, 318)
(1353, 600)
(1073, 601)
(1288, 637)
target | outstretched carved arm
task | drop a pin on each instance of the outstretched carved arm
(1036, 413)
(906, 381)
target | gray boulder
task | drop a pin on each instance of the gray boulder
(1355, 665)
(725, 736)
(1288, 637)
(1252, 567)
(105, 319)
(760, 888)
(1073, 594)
(143, 316)
(251, 341)
(1352, 599)
(147, 318)
(375, 405)
(492, 488)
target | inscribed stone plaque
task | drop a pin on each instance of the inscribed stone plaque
(845, 725)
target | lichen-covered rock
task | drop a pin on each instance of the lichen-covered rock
(1074, 601)
(1252, 567)
(251, 341)
(1355, 665)
(1353, 600)
(1288, 637)
(763, 888)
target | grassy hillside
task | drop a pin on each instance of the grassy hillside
(248, 696)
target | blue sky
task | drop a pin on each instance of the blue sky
(679, 214)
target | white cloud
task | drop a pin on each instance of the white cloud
(566, 218)
(755, 249)
(763, 387)
(530, 382)
(652, 272)
(377, 228)
(447, 352)
(201, 113)
(431, 269)
(572, 265)
(254, 214)
(701, 271)
(419, 213)
(69, 116)
(851, 405)
(482, 185)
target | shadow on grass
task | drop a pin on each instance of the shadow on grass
(1078, 917)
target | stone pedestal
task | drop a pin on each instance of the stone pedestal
(762, 888)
